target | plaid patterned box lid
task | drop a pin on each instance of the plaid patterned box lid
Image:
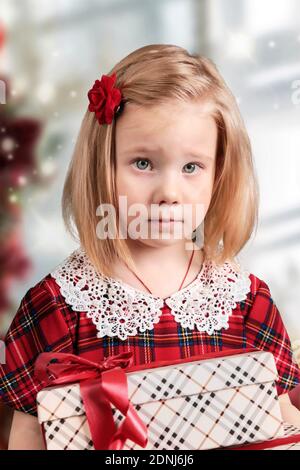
(182, 379)
(201, 376)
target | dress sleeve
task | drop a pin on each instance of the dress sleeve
(40, 325)
(265, 330)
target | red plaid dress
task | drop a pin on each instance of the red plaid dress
(46, 322)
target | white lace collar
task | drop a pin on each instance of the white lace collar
(118, 309)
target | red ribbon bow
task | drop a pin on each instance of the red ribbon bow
(101, 384)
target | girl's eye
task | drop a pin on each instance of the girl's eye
(143, 166)
(192, 166)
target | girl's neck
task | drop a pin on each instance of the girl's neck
(160, 270)
(173, 256)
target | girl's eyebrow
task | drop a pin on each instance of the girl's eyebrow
(193, 154)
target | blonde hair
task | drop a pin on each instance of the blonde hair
(153, 75)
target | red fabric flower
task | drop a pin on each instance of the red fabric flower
(104, 98)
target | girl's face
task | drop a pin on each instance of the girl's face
(165, 159)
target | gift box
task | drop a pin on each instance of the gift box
(203, 402)
(289, 441)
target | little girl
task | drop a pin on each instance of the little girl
(157, 296)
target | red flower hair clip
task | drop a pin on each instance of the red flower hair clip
(104, 99)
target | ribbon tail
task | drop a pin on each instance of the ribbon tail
(114, 385)
(98, 413)
(131, 428)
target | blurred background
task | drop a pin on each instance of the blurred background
(50, 55)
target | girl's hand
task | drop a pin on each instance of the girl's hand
(295, 396)
(290, 414)
(25, 433)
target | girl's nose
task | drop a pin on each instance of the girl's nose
(167, 190)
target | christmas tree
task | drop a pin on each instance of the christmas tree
(18, 140)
